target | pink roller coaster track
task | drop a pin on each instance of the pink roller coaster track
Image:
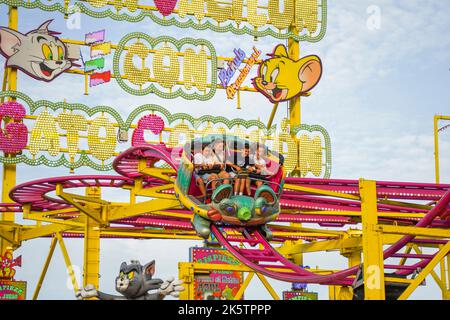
(266, 260)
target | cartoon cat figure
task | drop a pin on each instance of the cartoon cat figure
(39, 53)
(280, 78)
(134, 282)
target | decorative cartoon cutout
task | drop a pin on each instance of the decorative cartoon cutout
(280, 78)
(39, 53)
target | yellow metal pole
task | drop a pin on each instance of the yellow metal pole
(44, 270)
(444, 289)
(372, 243)
(244, 286)
(91, 265)
(294, 104)
(268, 286)
(9, 170)
(436, 147)
(272, 115)
(69, 267)
(186, 273)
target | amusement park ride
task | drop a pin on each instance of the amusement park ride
(394, 234)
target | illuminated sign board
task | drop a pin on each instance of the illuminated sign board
(216, 285)
(64, 134)
(258, 18)
(170, 68)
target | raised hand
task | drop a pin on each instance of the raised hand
(171, 287)
(87, 292)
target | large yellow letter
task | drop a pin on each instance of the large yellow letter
(130, 4)
(98, 3)
(44, 136)
(102, 148)
(218, 12)
(166, 75)
(306, 12)
(310, 155)
(135, 75)
(281, 20)
(254, 18)
(72, 123)
(237, 11)
(195, 69)
(177, 131)
(193, 7)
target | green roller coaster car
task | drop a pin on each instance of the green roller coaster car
(222, 206)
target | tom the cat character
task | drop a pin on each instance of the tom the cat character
(39, 53)
(134, 283)
(281, 78)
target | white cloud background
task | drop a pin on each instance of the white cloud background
(377, 97)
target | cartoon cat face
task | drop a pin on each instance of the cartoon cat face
(244, 210)
(39, 53)
(281, 78)
(134, 280)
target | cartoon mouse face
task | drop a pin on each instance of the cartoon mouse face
(244, 210)
(281, 78)
(39, 53)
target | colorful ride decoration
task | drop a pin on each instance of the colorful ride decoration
(197, 67)
(38, 53)
(281, 78)
(256, 209)
(237, 16)
(44, 145)
(9, 288)
(216, 284)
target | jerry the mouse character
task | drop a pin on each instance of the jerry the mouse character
(281, 78)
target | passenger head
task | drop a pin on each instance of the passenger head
(246, 150)
(260, 150)
(207, 150)
(218, 145)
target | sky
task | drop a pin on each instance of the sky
(381, 86)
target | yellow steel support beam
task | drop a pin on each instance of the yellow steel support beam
(45, 268)
(91, 263)
(372, 243)
(407, 251)
(268, 286)
(8, 237)
(436, 278)
(422, 275)
(46, 230)
(294, 104)
(443, 280)
(244, 286)
(86, 209)
(142, 207)
(69, 266)
(426, 232)
(186, 273)
(155, 192)
(9, 170)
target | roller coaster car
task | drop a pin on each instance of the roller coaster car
(221, 206)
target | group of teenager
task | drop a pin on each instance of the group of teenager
(215, 165)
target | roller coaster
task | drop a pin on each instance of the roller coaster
(394, 235)
(330, 203)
